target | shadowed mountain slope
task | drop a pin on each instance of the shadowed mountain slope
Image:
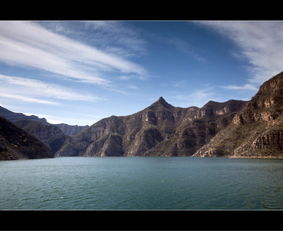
(13, 116)
(71, 130)
(53, 135)
(49, 134)
(15, 143)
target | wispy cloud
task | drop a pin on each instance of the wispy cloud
(117, 37)
(259, 42)
(36, 91)
(181, 45)
(134, 87)
(197, 98)
(184, 47)
(247, 86)
(113, 37)
(30, 45)
(124, 77)
(28, 99)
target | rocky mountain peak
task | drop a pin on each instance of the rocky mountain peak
(211, 104)
(256, 129)
(270, 92)
(161, 103)
(161, 99)
(160, 129)
(213, 108)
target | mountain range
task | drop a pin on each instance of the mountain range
(52, 135)
(159, 130)
(69, 130)
(233, 128)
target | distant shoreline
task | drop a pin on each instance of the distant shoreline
(256, 157)
(226, 157)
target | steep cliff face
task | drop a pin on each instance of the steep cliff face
(71, 130)
(15, 143)
(256, 130)
(49, 134)
(159, 130)
(196, 127)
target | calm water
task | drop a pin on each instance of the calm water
(141, 183)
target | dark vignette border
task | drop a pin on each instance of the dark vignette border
(141, 220)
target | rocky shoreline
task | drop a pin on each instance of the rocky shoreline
(256, 157)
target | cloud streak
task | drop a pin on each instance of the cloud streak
(36, 91)
(197, 98)
(247, 86)
(184, 47)
(117, 37)
(260, 43)
(28, 99)
(30, 45)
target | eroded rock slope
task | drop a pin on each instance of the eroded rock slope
(159, 130)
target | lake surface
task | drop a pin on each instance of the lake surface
(141, 183)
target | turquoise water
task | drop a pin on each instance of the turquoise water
(141, 183)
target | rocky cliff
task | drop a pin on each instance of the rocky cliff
(71, 130)
(159, 130)
(15, 143)
(47, 133)
(256, 130)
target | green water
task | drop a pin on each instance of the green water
(141, 183)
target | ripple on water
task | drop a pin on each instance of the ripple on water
(141, 183)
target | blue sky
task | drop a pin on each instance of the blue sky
(78, 72)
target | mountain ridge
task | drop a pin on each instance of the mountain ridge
(47, 133)
(14, 116)
(142, 132)
(68, 130)
(234, 128)
(256, 130)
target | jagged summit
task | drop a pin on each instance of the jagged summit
(158, 130)
(256, 129)
(161, 99)
(161, 102)
(212, 103)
